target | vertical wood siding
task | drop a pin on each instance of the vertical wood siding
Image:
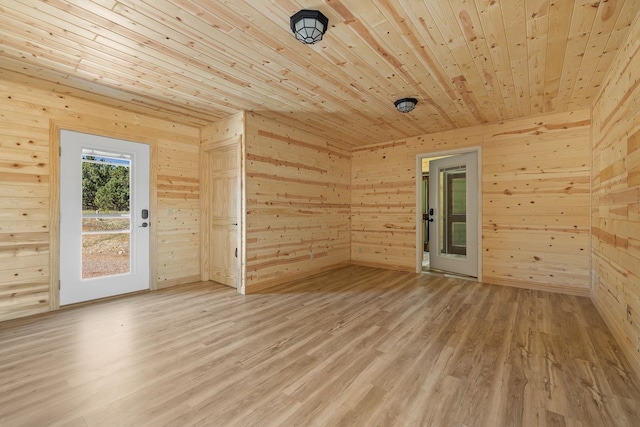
(27, 112)
(298, 202)
(535, 200)
(616, 198)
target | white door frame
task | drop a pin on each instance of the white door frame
(420, 195)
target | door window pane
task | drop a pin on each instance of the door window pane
(106, 216)
(453, 211)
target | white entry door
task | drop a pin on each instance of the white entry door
(453, 214)
(104, 217)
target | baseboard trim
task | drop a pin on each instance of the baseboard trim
(162, 284)
(632, 357)
(405, 268)
(261, 287)
(579, 291)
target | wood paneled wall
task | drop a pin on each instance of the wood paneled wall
(222, 130)
(535, 200)
(298, 202)
(178, 206)
(616, 198)
(28, 190)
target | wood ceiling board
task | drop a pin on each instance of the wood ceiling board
(195, 62)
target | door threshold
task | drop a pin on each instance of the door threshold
(102, 299)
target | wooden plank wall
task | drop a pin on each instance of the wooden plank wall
(222, 130)
(535, 201)
(178, 208)
(298, 202)
(616, 198)
(27, 112)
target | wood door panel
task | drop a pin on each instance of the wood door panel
(223, 226)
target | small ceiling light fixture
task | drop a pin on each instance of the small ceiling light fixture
(405, 105)
(309, 25)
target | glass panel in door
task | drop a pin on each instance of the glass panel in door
(453, 212)
(106, 216)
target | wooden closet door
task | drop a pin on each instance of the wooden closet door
(224, 191)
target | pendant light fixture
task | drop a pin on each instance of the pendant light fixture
(405, 105)
(309, 25)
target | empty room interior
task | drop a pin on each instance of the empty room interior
(320, 212)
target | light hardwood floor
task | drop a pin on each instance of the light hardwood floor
(357, 346)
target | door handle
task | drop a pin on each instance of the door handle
(144, 225)
(430, 220)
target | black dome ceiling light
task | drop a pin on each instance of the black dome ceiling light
(405, 105)
(309, 25)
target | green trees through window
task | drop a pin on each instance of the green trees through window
(105, 185)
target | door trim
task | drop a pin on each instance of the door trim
(54, 204)
(419, 196)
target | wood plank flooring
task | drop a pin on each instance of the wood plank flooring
(357, 346)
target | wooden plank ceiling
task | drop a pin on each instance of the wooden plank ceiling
(195, 61)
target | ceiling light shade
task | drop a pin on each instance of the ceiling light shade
(405, 105)
(309, 25)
